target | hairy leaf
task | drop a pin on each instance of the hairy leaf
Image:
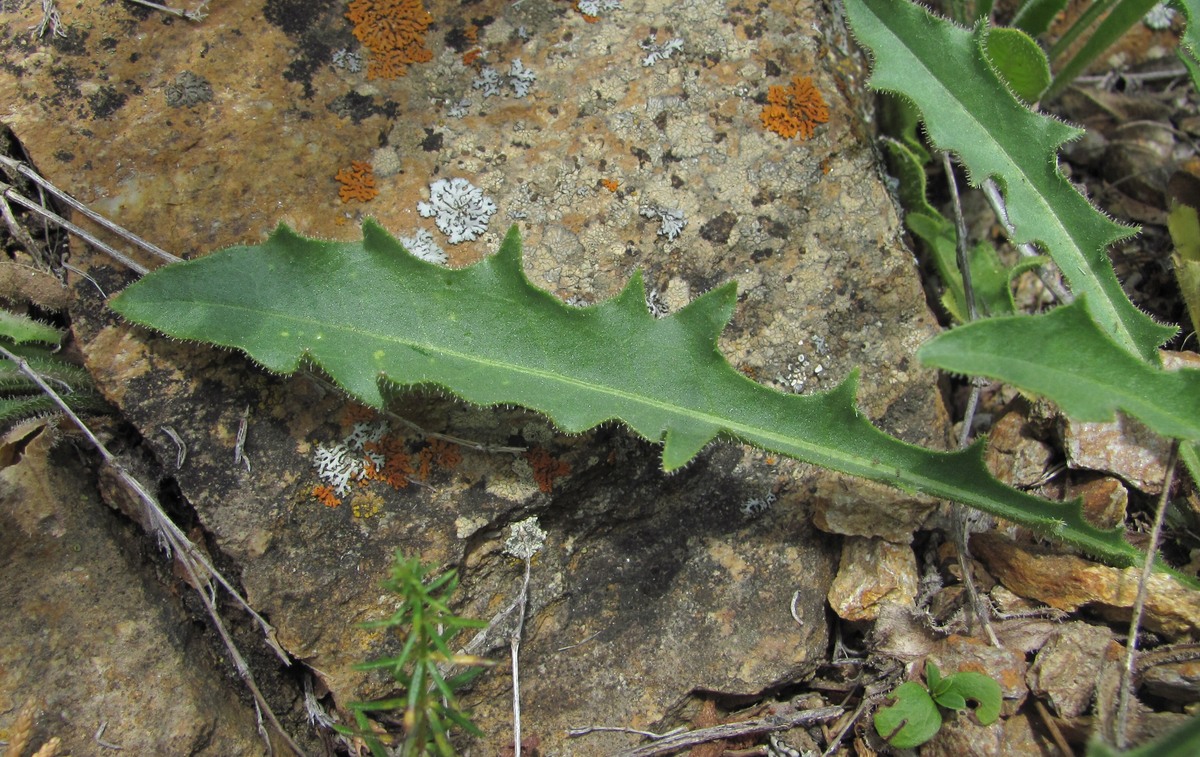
(1190, 41)
(375, 315)
(1063, 355)
(21, 329)
(1019, 60)
(969, 111)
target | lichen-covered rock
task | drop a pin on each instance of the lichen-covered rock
(650, 586)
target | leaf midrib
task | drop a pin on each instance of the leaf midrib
(717, 424)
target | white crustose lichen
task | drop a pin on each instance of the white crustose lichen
(423, 246)
(656, 52)
(670, 222)
(520, 78)
(459, 208)
(598, 7)
(490, 82)
(525, 539)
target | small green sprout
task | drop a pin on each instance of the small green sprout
(914, 717)
(425, 625)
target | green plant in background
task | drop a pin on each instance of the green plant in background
(36, 343)
(1183, 222)
(915, 716)
(425, 626)
(944, 72)
(1095, 30)
(1183, 741)
(1025, 69)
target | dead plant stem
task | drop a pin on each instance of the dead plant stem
(960, 517)
(67, 199)
(1125, 690)
(200, 572)
(515, 645)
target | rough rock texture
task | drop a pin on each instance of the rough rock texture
(88, 636)
(873, 573)
(1067, 582)
(1065, 671)
(650, 586)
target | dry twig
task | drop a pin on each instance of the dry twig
(199, 571)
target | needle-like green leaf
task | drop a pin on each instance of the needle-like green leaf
(371, 314)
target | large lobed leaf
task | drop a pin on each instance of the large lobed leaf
(371, 314)
(967, 110)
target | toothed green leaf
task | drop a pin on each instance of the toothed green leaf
(1190, 41)
(373, 316)
(21, 329)
(1063, 355)
(968, 111)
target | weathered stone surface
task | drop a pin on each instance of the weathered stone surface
(1014, 454)
(842, 505)
(873, 573)
(960, 735)
(667, 583)
(1104, 500)
(1067, 582)
(1176, 681)
(1124, 447)
(1065, 671)
(88, 637)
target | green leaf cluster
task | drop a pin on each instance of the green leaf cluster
(425, 626)
(995, 136)
(968, 110)
(20, 397)
(914, 716)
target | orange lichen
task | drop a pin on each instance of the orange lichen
(472, 55)
(610, 184)
(794, 110)
(396, 467)
(394, 32)
(445, 455)
(326, 495)
(424, 464)
(356, 412)
(358, 182)
(546, 468)
(471, 33)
